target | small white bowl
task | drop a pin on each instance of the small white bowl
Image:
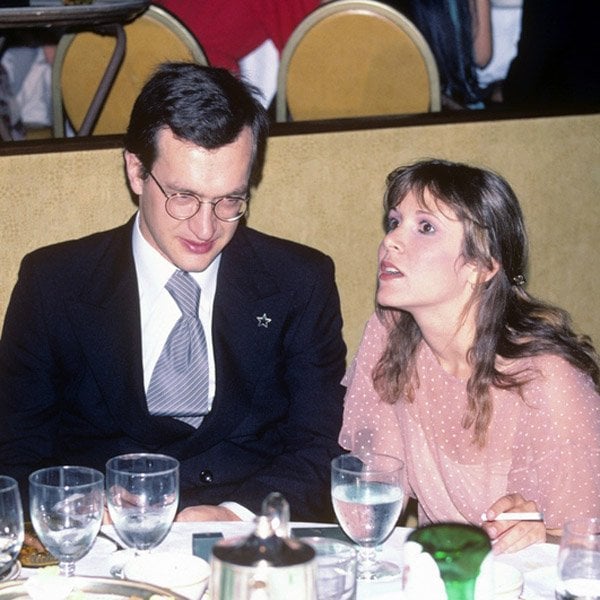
(185, 574)
(508, 582)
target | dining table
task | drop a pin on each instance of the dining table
(537, 563)
(105, 16)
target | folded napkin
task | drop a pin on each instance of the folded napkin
(538, 565)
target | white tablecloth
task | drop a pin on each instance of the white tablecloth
(537, 563)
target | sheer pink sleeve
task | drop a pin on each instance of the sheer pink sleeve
(557, 446)
(369, 425)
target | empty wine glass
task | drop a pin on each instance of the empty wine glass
(367, 498)
(142, 492)
(11, 525)
(67, 504)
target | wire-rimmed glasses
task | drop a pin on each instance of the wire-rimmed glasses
(184, 205)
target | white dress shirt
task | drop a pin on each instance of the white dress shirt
(159, 313)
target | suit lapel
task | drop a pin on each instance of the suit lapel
(245, 292)
(107, 318)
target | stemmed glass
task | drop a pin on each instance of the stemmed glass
(67, 504)
(142, 492)
(11, 525)
(367, 498)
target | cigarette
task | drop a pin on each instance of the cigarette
(515, 516)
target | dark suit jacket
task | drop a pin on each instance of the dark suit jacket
(71, 381)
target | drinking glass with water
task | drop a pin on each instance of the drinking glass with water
(67, 505)
(142, 492)
(367, 496)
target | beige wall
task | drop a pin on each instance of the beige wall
(325, 190)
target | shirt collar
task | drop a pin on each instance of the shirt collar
(154, 270)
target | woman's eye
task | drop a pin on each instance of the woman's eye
(426, 227)
(392, 223)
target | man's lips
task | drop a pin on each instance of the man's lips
(388, 271)
(197, 247)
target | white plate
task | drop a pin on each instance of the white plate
(186, 574)
(96, 588)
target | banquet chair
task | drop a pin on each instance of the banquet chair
(354, 58)
(82, 58)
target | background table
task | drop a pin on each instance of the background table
(106, 15)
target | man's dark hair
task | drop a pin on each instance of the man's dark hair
(204, 105)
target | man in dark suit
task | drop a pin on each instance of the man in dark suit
(90, 320)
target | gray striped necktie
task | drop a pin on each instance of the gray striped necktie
(179, 383)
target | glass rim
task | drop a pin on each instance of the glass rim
(7, 483)
(342, 545)
(142, 455)
(98, 476)
(363, 455)
(582, 527)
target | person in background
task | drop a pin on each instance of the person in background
(486, 393)
(244, 36)
(107, 349)
(26, 64)
(556, 66)
(506, 30)
(460, 37)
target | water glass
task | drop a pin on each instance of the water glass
(11, 524)
(579, 560)
(336, 568)
(142, 492)
(367, 496)
(67, 505)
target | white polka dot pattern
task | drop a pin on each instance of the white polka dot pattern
(545, 446)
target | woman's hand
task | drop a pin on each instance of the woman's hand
(510, 536)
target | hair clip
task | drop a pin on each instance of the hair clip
(519, 280)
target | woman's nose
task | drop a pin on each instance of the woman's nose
(393, 239)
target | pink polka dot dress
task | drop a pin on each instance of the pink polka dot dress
(546, 445)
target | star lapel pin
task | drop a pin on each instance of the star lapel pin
(263, 320)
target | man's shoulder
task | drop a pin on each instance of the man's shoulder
(79, 249)
(281, 249)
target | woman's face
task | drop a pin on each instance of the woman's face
(421, 267)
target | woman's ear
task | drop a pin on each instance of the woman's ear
(135, 172)
(481, 273)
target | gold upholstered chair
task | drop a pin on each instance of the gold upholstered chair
(81, 60)
(355, 58)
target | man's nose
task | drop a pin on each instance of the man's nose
(203, 223)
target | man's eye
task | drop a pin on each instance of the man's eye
(426, 227)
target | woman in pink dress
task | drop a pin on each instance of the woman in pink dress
(486, 393)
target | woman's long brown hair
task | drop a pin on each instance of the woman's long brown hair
(510, 323)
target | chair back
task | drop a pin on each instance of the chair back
(81, 60)
(352, 58)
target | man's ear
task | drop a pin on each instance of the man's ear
(135, 172)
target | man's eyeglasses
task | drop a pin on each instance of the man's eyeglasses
(182, 206)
